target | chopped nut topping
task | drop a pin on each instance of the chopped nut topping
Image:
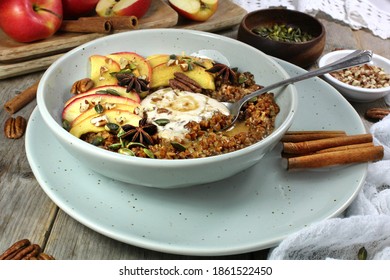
(365, 76)
(110, 106)
(123, 62)
(96, 100)
(120, 119)
(84, 106)
(100, 121)
(103, 69)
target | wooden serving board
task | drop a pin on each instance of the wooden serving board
(22, 58)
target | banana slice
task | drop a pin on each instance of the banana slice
(172, 109)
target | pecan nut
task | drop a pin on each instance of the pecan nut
(183, 82)
(82, 85)
(24, 250)
(14, 249)
(30, 251)
(14, 128)
(44, 256)
(377, 113)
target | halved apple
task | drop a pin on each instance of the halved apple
(107, 106)
(110, 90)
(120, 117)
(80, 105)
(163, 73)
(198, 10)
(137, 63)
(101, 68)
(107, 8)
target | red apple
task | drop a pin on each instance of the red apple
(30, 20)
(75, 8)
(198, 10)
(108, 8)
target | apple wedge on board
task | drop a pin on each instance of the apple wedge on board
(197, 10)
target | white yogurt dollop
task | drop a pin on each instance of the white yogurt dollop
(179, 108)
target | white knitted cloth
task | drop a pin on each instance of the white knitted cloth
(366, 223)
(371, 14)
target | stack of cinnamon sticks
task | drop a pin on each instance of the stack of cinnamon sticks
(315, 149)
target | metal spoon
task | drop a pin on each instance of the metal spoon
(356, 58)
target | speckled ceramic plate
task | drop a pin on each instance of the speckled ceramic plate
(253, 210)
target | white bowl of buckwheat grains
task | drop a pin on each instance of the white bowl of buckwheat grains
(363, 83)
(143, 107)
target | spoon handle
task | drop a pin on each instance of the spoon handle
(356, 58)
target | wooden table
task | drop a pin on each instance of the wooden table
(27, 212)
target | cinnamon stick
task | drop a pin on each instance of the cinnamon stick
(83, 26)
(22, 99)
(346, 147)
(307, 147)
(336, 158)
(299, 136)
(117, 22)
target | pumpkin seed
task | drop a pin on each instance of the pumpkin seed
(149, 153)
(121, 132)
(178, 146)
(132, 144)
(362, 254)
(283, 33)
(162, 122)
(242, 79)
(126, 151)
(97, 141)
(108, 91)
(66, 125)
(112, 127)
(115, 146)
(99, 108)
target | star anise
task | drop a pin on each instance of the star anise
(130, 81)
(141, 134)
(225, 72)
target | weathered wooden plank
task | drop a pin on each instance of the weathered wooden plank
(25, 210)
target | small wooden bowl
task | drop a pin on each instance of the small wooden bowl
(302, 54)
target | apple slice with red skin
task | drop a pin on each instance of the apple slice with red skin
(109, 8)
(142, 66)
(110, 90)
(100, 68)
(91, 111)
(120, 117)
(80, 105)
(198, 10)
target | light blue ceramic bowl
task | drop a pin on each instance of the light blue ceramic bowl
(54, 87)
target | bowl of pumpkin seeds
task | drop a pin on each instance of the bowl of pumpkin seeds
(290, 35)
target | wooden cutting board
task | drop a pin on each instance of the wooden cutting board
(22, 58)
